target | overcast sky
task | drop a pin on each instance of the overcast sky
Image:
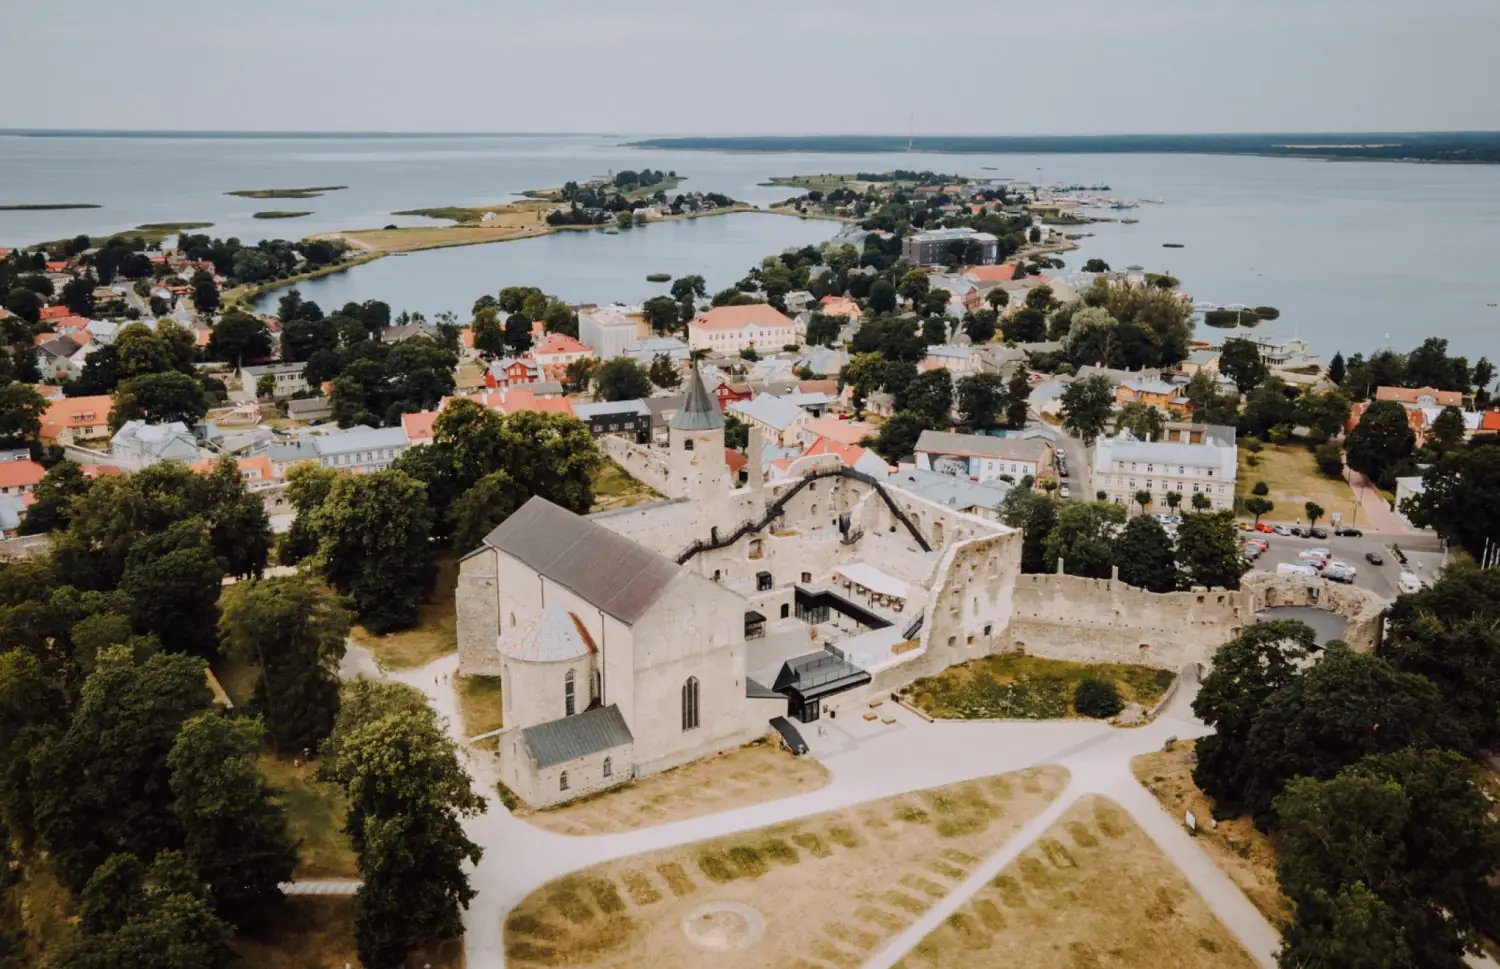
(785, 66)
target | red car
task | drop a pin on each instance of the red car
(1263, 527)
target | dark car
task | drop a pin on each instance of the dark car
(1349, 532)
(1374, 558)
(1298, 531)
(1317, 533)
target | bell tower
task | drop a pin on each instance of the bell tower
(696, 440)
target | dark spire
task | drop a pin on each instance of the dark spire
(700, 412)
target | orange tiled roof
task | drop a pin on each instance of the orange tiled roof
(559, 343)
(739, 317)
(519, 398)
(55, 312)
(992, 274)
(1411, 395)
(20, 474)
(71, 323)
(418, 426)
(1490, 421)
(92, 471)
(847, 453)
(840, 432)
(76, 413)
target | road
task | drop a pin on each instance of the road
(1422, 553)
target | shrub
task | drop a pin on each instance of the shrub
(1330, 460)
(1261, 488)
(1252, 444)
(1253, 461)
(1097, 698)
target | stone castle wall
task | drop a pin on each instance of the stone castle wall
(646, 465)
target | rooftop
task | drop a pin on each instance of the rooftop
(700, 410)
(359, 439)
(982, 446)
(769, 410)
(590, 732)
(949, 491)
(739, 317)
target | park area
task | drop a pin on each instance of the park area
(1293, 478)
(435, 635)
(746, 901)
(755, 774)
(1021, 687)
(1093, 891)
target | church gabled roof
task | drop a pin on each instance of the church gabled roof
(700, 412)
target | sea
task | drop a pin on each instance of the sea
(1357, 255)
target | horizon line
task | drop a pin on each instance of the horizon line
(346, 133)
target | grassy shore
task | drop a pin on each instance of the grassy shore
(154, 233)
(244, 294)
(286, 193)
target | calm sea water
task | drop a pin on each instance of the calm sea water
(1353, 253)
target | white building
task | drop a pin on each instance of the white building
(730, 329)
(360, 449)
(980, 457)
(1124, 465)
(289, 378)
(139, 445)
(781, 420)
(607, 331)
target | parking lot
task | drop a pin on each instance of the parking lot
(1424, 556)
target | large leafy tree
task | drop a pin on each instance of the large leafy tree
(1240, 361)
(1247, 671)
(373, 546)
(1459, 495)
(1141, 419)
(1380, 446)
(21, 410)
(1087, 406)
(1268, 407)
(104, 786)
(307, 484)
(930, 396)
(239, 338)
(174, 581)
(1447, 430)
(1035, 515)
(295, 636)
(234, 829)
(1017, 399)
(1208, 549)
(1324, 414)
(1323, 721)
(1084, 537)
(622, 379)
(62, 485)
(32, 711)
(982, 401)
(158, 398)
(1391, 858)
(1144, 555)
(899, 435)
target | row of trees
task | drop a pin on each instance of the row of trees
(928, 400)
(1361, 763)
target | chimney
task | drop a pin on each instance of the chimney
(753, 453)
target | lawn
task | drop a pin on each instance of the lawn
(1093, 891)
(1014, 685)
(479, 703)
(435, 634)
(832, 888)
(470, 376)
(315, 816)
(754, 774)
(508, 221)
(1294, 479)
(317, 932)
(1247, 855)
(615, 488)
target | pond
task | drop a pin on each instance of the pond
(577, 267)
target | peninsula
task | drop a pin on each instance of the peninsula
(286, 193)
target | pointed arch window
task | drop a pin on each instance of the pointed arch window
(690, 704)
(609, 767)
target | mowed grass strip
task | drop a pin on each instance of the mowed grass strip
(1017, 686)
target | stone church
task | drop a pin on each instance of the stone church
(633, 641)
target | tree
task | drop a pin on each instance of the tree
(25, 304)
(154, 919)
(1210, 406)
(1201, 502)
(1322, 721)
(487, 503)
(373, 546)
(687, 288)
(1325, 414)
(174, 579)
(997, 299)
(265, 386)
(1240, 361)
(1330, 460)
(1268, 407)
(930, 396)
(864, 374)
(1087, 406)
(1144, 421)
(1447, 430)
(1097, 698)
(1258, 506)
(662, 313)
(205, 293)
(663, 372)
(1336, 370)
(898, 435)
(1457, 493)
(882, 296)
(1084, 538)
(294, 636)
(1314, 512)
(517, 333)
(736, 433)
(1430, 366)
(234, 830)
(159, 398)
(408, 794)
(1407, 837)
(823, 330)
(1145, 557)
(239, 338)
(21, 410)
(1260, 488)
(914, 286)
(1208, 549)
(489, 332)
(622, 379)
(307, 484)
(1448, 633)
(1174, 499)
(1017, 399)
(1143, 498)
(579, 374)
(1035, 515)
(104, 786)
(980, 325)
(1096, 266)
(1380, 446)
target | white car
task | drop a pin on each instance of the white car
(1320, 550)
(1313, 558)
(1342, 566)
(1063, 491)
(1281, 529)
(1287, 568)
(1408, 582)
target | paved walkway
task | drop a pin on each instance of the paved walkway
(330, 886)
(1374, 514)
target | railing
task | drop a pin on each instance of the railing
(774, 510)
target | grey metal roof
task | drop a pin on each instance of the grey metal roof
(609, 408)
(591, 732)
(983, 445)
(700, 412)
(607, 570)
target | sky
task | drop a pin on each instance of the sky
(762, 66)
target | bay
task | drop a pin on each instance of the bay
(1357, 255)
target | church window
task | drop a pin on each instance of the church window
(786, 610)
(609, 767)
(690, 704)
(570, 703)
(562, 781)
(687, 444)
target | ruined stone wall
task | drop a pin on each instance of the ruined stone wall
(1363, 610)
(647, 465)
(477, 604)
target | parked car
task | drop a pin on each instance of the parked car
(1245, 526)
(1320, 550)
(1342, 566)
(1281, 529)
(1338, 575)
(1317, 533)
(1313, 559)
(1263, 527)
(1298, 531)
(1062, 472)
(1347, 532)
(1287, 568)
(1063, 491)
(1408, 582)
(1259, 543)
(1374, 558)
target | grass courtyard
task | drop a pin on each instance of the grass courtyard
(315, 818)
(615, 488)
(435, 634)
(1014, 685)
(824, 890)
(479, 703)
(1093, 891)
(754, 774)
(1293, 478)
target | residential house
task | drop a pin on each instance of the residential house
(20, 477)
(1165, 397)
(608, 331)
(513, 400)
(630, 419)
(1124, 466)
(309, 409)
(835, 430)
(60, 358)
(981, 457)
(138, 445)
(288, 376)
(777, 417)
(73, 420)
(647, 350)
(359, 450)
(555, 351)
(513, 372)
(731, 329)
(983, 498)
(402, 332)
(1413, 397)
(52, 313)
(963, 295)
(418, 426)
(959, 361)
(1200, 361)
(823, 360)
(840, 306)
(257, 472)
(797, 301)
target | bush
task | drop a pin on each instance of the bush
(1261, 488)
(1097, 698)
(1252, 444)
(1330, 460)
(1253, 461)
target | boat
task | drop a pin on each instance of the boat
(611, 232)
(1173, 245)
